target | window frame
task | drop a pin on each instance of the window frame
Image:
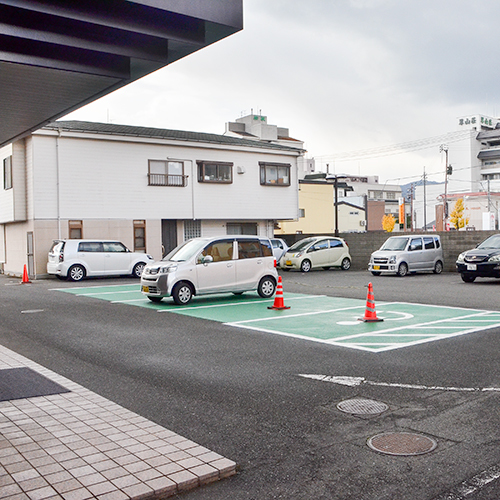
(166, 178)
(219, 178)
(263, 174)
(7, 173)
(75, 225)
(140, 225)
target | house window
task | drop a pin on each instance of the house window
(166, 173)
(215, 172)
(75, 229)
(302, 212)
(241, 228)
(274, 174)
(192, 229)
(7, 173)
(140, 236)
(391, 195)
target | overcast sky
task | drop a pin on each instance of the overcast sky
(342, 75)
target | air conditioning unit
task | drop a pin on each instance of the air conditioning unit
(362, 222)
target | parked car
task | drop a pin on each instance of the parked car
(201, 266)
(317, 252)
(279, 248)
(77, 259)
(408, 254)
(482, 261)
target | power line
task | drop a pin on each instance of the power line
(403, 147)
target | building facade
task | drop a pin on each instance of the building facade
(150, 188)
(471, 169)
(362, 203)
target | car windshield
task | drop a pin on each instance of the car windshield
(185, 251)
(396, 244)
(300, 245)
(491, 242)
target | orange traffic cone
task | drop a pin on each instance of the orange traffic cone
(25, 275)
(370, 314)
(278, 299)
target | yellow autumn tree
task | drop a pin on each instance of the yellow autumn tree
(388, 222)
(457, 217)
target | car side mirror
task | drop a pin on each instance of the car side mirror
(206, 259)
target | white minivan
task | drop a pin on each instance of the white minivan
(202, 266)
(77, 259)
(408, 254)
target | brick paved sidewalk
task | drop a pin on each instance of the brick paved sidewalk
(78, 445)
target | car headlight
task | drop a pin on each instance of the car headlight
(300, 254)
(168, 269)
(494, 258)
(461, 257)
(392, 259)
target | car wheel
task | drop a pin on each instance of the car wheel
(138, 269)
(76, 273)
(346, 264)
(467, 278)
(403, 269)
(376, 273)
(155, 299)
(438, 268)
(267, 287)
(305, 267)
(182, 293)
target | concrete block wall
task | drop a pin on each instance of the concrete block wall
(361, 245)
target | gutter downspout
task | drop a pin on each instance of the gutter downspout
(57, 186)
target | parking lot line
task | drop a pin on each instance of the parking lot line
(318, 318)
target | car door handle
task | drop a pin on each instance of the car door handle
(259, 261)
(229, 264)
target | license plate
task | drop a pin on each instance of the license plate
(471, 267)
(145, 289)
(288, 262)
(376, 268)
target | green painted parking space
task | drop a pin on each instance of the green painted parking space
(329, 320)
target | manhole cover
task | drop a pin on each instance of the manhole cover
(402, 443)
(362, 407)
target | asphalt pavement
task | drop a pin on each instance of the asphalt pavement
(243, 394)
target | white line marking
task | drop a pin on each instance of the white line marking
(298, 315)
(356, 381)
(256, 301)
(472, 485)
(86, 287)
(31, 311)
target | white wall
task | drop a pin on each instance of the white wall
(108, 179)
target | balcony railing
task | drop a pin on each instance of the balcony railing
(167, 180)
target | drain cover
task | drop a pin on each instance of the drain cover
(402, 443)
(362, 407)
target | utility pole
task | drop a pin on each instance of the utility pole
(412, 188)
(444, 148)
(424, 178)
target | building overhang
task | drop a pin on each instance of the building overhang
(58, 56)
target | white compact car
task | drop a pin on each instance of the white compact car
(77, 259)
(202, 266)
(317, 252)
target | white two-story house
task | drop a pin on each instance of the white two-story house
(150, 188)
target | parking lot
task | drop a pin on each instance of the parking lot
(263, 387)
(319, 318)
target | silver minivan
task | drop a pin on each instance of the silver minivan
(408, 254)
(202, 266)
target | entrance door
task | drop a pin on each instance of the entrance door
(168, 235)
